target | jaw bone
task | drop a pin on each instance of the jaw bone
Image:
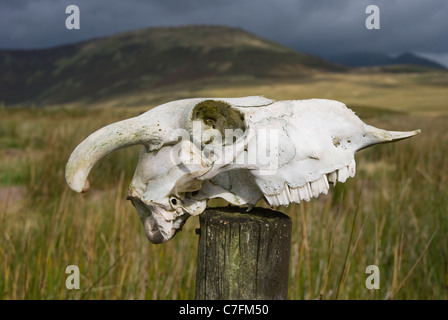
(311, 189)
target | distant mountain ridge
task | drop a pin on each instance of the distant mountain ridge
(143, 60)
(370, 59)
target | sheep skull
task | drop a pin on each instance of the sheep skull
(238, 149)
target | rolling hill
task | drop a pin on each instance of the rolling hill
(370, 59)
(143, 60)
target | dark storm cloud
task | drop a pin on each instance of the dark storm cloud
(323, 27)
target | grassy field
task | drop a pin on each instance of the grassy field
(393, 214)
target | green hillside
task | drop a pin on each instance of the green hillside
(142, 60)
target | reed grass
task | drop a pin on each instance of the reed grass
(392, 214)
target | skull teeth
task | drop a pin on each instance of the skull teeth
(312, 189)
(333, 178)
(295, 195)
(288, 194)
(343, 174)
(272, 199)
(352, 169)
(319, 186)
(282, 197)
(305, 192)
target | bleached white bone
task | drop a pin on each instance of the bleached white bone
(316, 141)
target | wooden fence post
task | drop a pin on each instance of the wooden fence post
(243, 255)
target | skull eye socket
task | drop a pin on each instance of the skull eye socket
(173, 201)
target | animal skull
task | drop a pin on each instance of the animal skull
(238, 149)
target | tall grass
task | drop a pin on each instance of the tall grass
(400, 222)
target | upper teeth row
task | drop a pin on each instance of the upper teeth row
(312, 189)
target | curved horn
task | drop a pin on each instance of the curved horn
(105, 140)
(390, 136)
(377, 136)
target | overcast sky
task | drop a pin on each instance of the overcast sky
(322, 27)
